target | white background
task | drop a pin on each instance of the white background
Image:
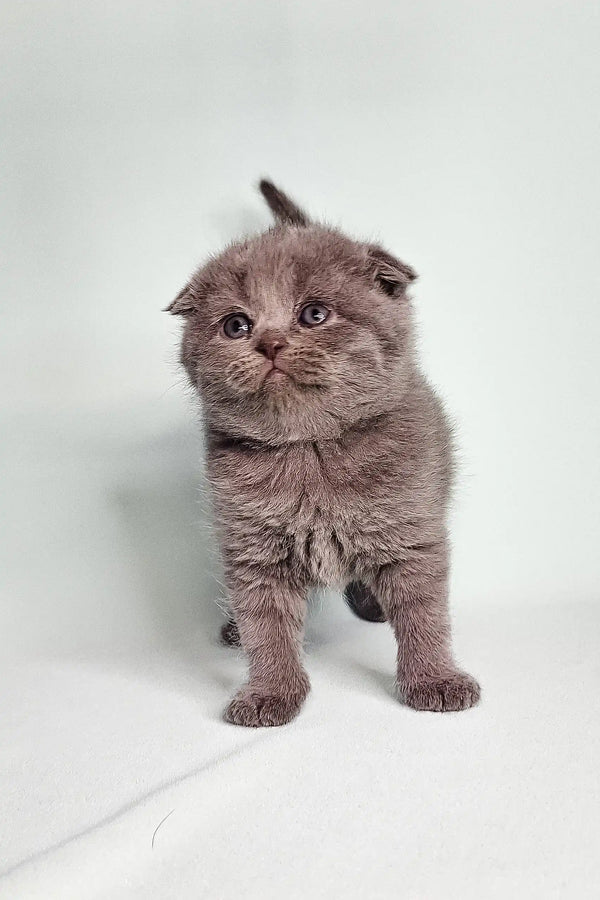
(463, 135)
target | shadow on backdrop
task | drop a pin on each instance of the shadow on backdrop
(163, 511)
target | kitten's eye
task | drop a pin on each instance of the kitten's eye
(313, 314)
(237, 326)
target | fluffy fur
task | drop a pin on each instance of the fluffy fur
(329, 456)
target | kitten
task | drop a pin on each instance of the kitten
(329, 455)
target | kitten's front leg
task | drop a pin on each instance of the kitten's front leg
(269, 615)
(414, 595)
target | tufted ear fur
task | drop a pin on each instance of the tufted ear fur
(391, 275)
(184, 303)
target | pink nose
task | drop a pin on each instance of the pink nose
(270, 345)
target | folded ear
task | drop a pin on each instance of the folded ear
(391, 275)
(184, 303)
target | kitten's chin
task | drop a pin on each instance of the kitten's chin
(276, 377)
(281, 416)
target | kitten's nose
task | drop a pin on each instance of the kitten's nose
(270, 344)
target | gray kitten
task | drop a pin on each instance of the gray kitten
(329, 455)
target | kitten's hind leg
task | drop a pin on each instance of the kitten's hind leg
(363, 602)
(230, 634)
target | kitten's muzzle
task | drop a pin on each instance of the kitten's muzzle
(270, 344)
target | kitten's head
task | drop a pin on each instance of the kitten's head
(298, 333)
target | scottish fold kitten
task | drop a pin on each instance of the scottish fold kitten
(329, 455)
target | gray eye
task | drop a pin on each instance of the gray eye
(237, 326)
(313, 314)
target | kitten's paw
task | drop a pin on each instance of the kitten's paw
(255, 710)
(447, 694)
(363, 602)
(230, 634)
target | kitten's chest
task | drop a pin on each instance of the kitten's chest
(315, 504)
(318, 505)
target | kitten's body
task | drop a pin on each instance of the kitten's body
(329, 456)
(340, 507)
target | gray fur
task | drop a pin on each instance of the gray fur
(329, 455)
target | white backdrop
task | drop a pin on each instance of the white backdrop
(463, 135)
